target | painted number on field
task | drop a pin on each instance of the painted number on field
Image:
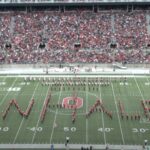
(144, 120)
(2, 83)
(147, 83)
(141, 130)
(105, 129)
(14, 89)
(38, 129)
(72, 129)
(123, 83)
(4, 129)
(24, 83)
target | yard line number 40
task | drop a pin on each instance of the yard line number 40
(105, 129)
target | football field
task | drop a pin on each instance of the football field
(87, 110)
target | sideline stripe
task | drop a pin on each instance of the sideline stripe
(71, 146)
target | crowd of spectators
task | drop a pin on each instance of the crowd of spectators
(22, 34)
(131, 29)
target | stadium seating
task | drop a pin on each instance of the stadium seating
(73, 36)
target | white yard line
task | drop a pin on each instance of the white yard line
(2, 94)
(138, 88)
(138, 135)
(23, 117)
(147, 78)
(122, 136)
(39, 117)
(8, 92)
(103, 123)
(86, 111)
(55, 115)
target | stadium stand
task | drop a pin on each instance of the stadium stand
(74, 36)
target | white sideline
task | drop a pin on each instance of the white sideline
(79, 75)
(66, 70)
(71, 146)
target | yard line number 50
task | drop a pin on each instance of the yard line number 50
(71, 129)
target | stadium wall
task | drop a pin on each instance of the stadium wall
(82, 70)
(72, 65)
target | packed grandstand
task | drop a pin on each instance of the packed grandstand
(77, 35)
(93, 100)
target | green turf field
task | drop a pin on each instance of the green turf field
(98, 128)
